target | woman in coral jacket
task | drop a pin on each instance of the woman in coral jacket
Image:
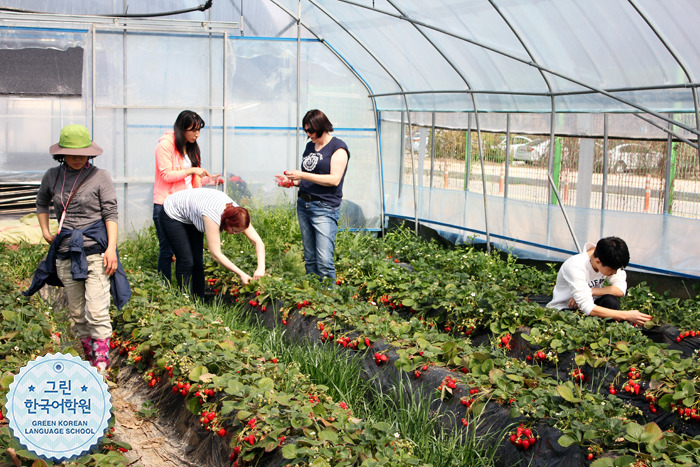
(178, 167)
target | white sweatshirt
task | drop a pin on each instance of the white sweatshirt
(577, 277)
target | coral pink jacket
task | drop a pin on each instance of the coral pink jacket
(170, 175)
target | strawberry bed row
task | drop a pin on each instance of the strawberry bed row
(500, 340)
(28, 329)
(265, 411)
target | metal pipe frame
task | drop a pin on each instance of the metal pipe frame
(115, 23)
(364, 83)
(478, 128)
(531, 63)
(678, 60)
(563, 211)
(660, 87)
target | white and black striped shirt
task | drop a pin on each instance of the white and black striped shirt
(188, 206)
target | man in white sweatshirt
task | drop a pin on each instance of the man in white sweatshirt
(580, 282)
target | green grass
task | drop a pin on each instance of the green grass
(410, 415)
(342, 374)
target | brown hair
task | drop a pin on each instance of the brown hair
(234, 217)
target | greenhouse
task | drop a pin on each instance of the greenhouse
(589, 79)
(523, 127)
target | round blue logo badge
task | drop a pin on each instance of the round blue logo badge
(58, 406)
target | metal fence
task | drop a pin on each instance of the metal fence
(629, 175)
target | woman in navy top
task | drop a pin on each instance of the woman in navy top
(320, 181)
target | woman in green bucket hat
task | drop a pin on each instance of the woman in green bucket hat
(83, 254)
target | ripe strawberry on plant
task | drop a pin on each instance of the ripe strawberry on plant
(380, 358)
(505, 342)
(447, 385)
(523, 437)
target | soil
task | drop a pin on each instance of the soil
(153, 441)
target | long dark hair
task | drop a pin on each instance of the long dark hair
(188, 120)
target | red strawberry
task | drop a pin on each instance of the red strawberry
(211, 415)
(526, 443)
(221, 432)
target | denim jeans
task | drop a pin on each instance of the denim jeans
(318, 223)
(188, 244)
(165, 254)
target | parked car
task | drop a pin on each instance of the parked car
(534, 151)
(632, 157)
(515, 143)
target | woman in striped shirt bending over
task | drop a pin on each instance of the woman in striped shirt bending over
(188, 216)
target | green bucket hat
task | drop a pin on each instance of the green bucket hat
(75, 141)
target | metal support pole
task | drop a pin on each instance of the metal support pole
(413, 168)
(380, 167)
(563, 211)
(297, 161)
(432, 149)
(224, 121)
(507, 171)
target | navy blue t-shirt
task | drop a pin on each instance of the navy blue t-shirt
(319, 162)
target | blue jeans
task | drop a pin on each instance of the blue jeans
(165, 254)
(188, 244)
(318, 223)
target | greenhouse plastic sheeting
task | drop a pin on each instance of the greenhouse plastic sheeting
(252, 68)
(658, 243)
